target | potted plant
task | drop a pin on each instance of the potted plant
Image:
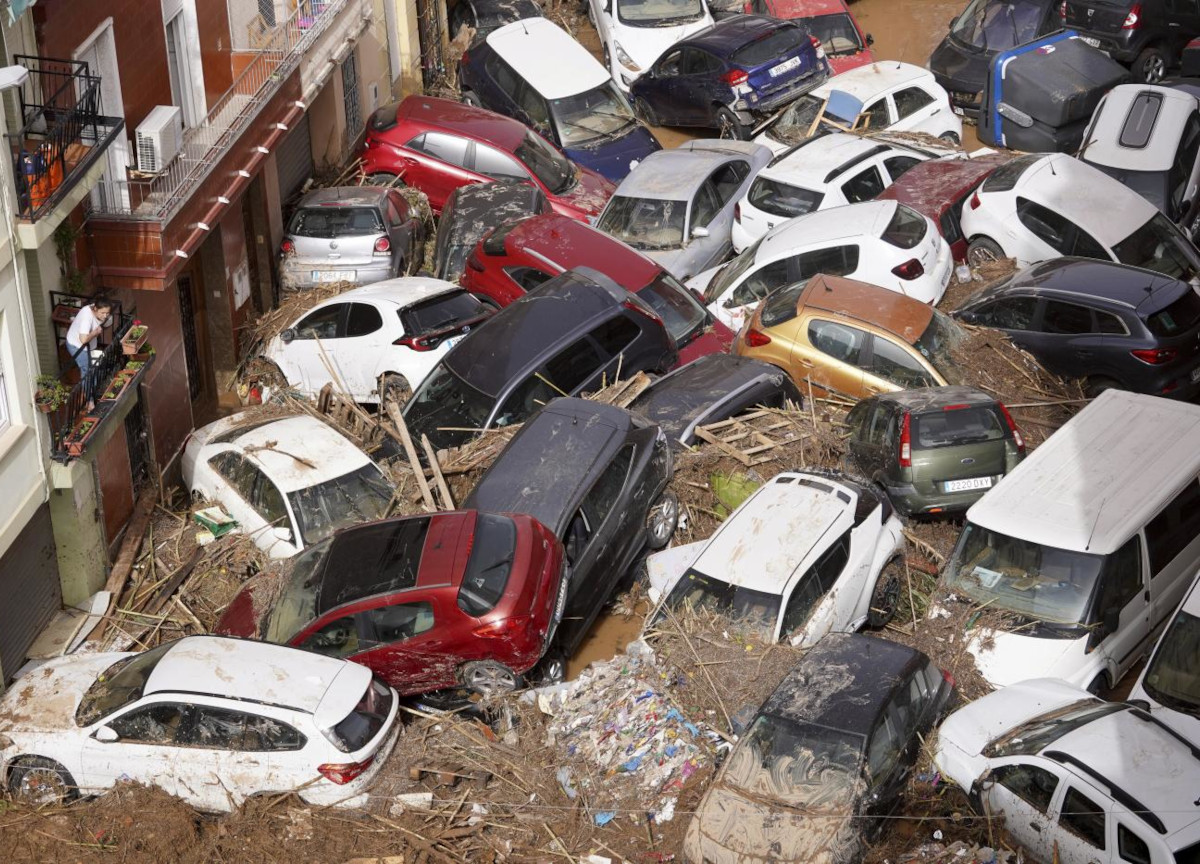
(80, 434)
(132, 341)
(51, 393)
(144, 354)
(117, 386)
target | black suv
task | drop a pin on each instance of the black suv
(1110, 324)
(573, 333)
(1146, 35)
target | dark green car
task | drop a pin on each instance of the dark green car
(934, 450)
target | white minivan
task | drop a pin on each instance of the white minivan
(1089, 544)
(1170, 683)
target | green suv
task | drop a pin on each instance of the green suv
(934, 450)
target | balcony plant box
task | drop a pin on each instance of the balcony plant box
(51, 394)
(79, 436)
(131, 342)
(117, 386)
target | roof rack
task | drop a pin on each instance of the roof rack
(1132, 804)
(850, 163)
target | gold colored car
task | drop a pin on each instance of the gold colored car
(850, 338)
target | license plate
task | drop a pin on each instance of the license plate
(1095, 43)
(959, 111)
(333, 275)
(964, 485)
(1196, 374)
(785, 66)
(452, 341)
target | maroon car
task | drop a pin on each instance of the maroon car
(520, 255)
(465, 598)
(939, 187)
(436, 145)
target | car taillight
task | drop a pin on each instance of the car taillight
(757, 338)
(906, 441)
(633, 304)
(343, 774)
(383, 244)
(948, 678)
(734, 77)
(909, 270)
(975, 201)
(504, 628)
(416, 343)
(1013, 428)
(1155, 356)
(1133, 19)
(287, 247)
(737, 212)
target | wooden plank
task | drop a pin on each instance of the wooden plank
(182, 572)
(131, 544)
(393, 411)
(732, 421)
(436, 470)
(704, 435)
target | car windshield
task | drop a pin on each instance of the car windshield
(335, 222)
(590, 118)
(119, 685)
(447, 409)
(731, 273)
(659, 13)
(1159, 246)
(794, 123)
(755, 610)
(1178, 317)
(998, 25)
(360, 496)
(1009, 574)
(555, 170)
(1171, 678)
(800, 764)
(1035, 735)
(941, 336)
(297, 603)
(836, 33)
(676, 306)
(782, 199)
(772, 48)
(644, 223)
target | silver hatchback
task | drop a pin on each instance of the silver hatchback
(359, 234)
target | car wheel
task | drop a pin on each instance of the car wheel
(382, 179)
(489, 678)
(1095, 386)
(469, 98)
(642, 109)
(729, 127)
(983, 250)
(553, 669)
(1150, 66)
(392, 385)
(36, 780)
(661, 521)
(950, 138)
(886, 595)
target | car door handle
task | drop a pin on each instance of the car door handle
(1036, 827)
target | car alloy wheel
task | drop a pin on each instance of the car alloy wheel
(489, 678)
(663, 518)
(1151, 65)
(40, 781)
(983, 250)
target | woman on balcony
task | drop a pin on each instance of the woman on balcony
(87, 324)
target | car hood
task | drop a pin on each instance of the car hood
(45, 699)
(614, 158)
(664, 569)
(1005, 658)
(670, 259)
(963, 69)
(973, 726)
(645, 44)
(588, 196)
(845, 62)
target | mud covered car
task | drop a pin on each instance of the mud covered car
(472, 211)
(827, 754)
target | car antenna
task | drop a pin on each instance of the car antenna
(523, 27)
(1095, 522)
(1052, 171)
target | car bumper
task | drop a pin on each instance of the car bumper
(912, 502)
(325, 793)
(741, 238)
(1182, 386)
(301, 275)
(757, 105)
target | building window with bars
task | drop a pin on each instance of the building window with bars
(354, 119)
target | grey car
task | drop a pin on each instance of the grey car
(359, 234)
(677, 205)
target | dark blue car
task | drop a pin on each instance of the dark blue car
(533, 71)
(730, 75)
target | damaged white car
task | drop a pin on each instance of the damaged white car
(804, 555)
(210, 719)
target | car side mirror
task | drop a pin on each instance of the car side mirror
(953, 21)
(699, 231)
(287, 335)
(870, 40)
(106, 735)
(284, 534)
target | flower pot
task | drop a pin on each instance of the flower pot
(132, 341)
(116, 387)
(44, 407)
(80, 434)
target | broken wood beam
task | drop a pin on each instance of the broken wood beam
(436, 470)
(131, 544)
(401, 430)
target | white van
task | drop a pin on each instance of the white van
(1090, 543)
(1170, 683)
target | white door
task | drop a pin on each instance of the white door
(222, 766)
(361, 349)
(100, 53)
(309, 357)
(1082, 826)
(146, 749)
(1125, 600)
(915, 110)
(1023, 793)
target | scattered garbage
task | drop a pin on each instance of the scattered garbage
(958, 852)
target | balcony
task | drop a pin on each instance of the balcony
(63, 135)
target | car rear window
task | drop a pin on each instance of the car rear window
(782, 199)
(906, 229)
(357, 728)
(680, 311)
(771, 47)
(490, 564)
(1004, 178)
(780, 304)
(335, 222)
(439, 313)
(1178, 317)
(951, 427)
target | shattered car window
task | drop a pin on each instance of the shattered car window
(154, 724)
(362, 724)
(445, 400)
(756, 610)
(793, 124)
(119, 685)
(644, 223)
(659, 13)
(360, 496)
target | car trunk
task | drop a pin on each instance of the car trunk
(1097, 16)
(340, 237)
(771, 69)
(956, 449)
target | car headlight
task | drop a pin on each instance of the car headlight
(624, 59)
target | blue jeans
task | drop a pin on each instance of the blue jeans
(83, 359)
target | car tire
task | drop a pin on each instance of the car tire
(37, 780)
(1150, 67)
(729, 127)
(983, 250)
(552, 669)
(382, 179)
(886, 595)
(395, 385)
(489, 678)
(642, 109)
(662, 520)
(469, 98)
(1094, 386)
(951, 138)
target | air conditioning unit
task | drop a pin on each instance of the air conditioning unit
(159, 138)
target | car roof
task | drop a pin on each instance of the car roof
(254, 671)
(1150, 119)
(479, 200)
(806, 8)
(675, 174)
(298, 452)
(872, 79)
(522, 334)
(430, 112)
(931, 398)
(787, 521)
(1100, 477)
(930, 186)
(812, 161)
(868, 218)
(554, 456)
(402, 291)
(345, 196)
(901, 316)
(729, 34)
(1089, 279)
(570, 243)
(547, 57)
(842, 682)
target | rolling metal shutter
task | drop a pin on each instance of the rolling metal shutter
(294, 161)
(30, 593)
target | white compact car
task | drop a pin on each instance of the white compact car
(210, 719)
(804, 555)
(880, 242)
(1043, 206)
(818, 174)
(1074, 779)
(898, 97)
(288, 482)
(384, 337)
(1170, 683)
(634, 33)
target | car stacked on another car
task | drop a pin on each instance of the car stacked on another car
(634, 33)
(472, 211)
(1146, 35)
(829, 21)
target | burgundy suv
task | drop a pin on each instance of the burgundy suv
(436, 145)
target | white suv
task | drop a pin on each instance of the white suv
(1074, 779)
(805, 555)
(820, 173)
(210, 719)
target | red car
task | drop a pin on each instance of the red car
(520, 255)
(830, 22)
(463, 598)
(939, 187)
(436, 145)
